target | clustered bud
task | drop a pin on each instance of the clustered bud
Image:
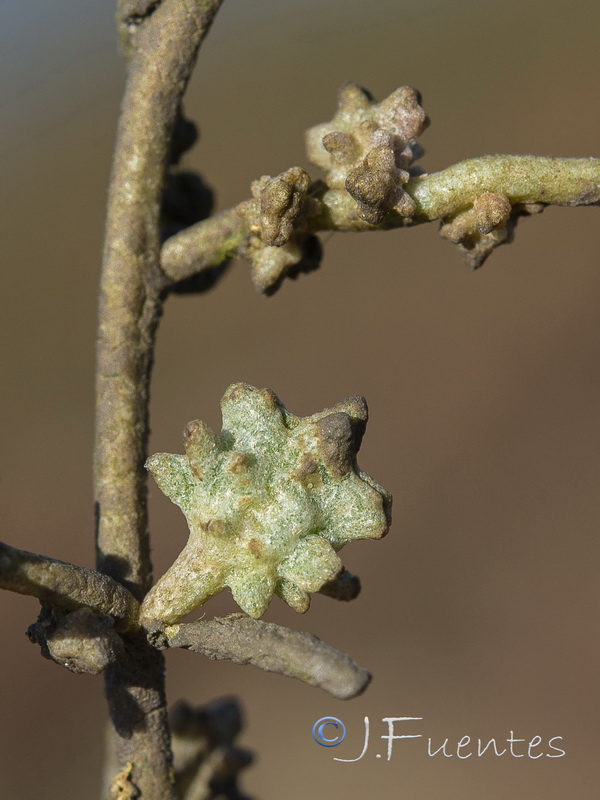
(368, 149)
(279, 245)
(490, 222)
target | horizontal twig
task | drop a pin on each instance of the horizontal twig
(184, 255)
(273, 648)
(523, 179)
(439, 195)
(66, 586)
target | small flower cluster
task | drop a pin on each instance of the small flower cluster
(368, 149)
(279, 245)
(490, 222)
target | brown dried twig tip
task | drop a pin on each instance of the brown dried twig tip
(345, 588)
(270, 647)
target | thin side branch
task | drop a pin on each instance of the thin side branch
(66, 586)
(439, 195)
(523, 179)
(273, 648)
(204, 245)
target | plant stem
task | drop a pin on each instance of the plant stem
(523, 179)
(273, 648)
(164, 45)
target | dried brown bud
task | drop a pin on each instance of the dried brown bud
(376, 185)
(279, 244)
(492, 210)
(367, 148)
(81, 641)
(480, 229)
(281, 202)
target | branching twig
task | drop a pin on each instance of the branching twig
(366, 152)
(439, 195)
(273, 648)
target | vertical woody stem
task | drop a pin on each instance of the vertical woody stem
(163, 46)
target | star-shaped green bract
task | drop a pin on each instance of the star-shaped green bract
(269, 503)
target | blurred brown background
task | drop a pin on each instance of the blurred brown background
(479, 611)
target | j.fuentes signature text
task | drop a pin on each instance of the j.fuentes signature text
(331, 732)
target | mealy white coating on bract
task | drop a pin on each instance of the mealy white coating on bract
(268, 503)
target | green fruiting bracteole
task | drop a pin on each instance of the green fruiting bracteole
(269, 502)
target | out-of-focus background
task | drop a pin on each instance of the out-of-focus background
(479, 611)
